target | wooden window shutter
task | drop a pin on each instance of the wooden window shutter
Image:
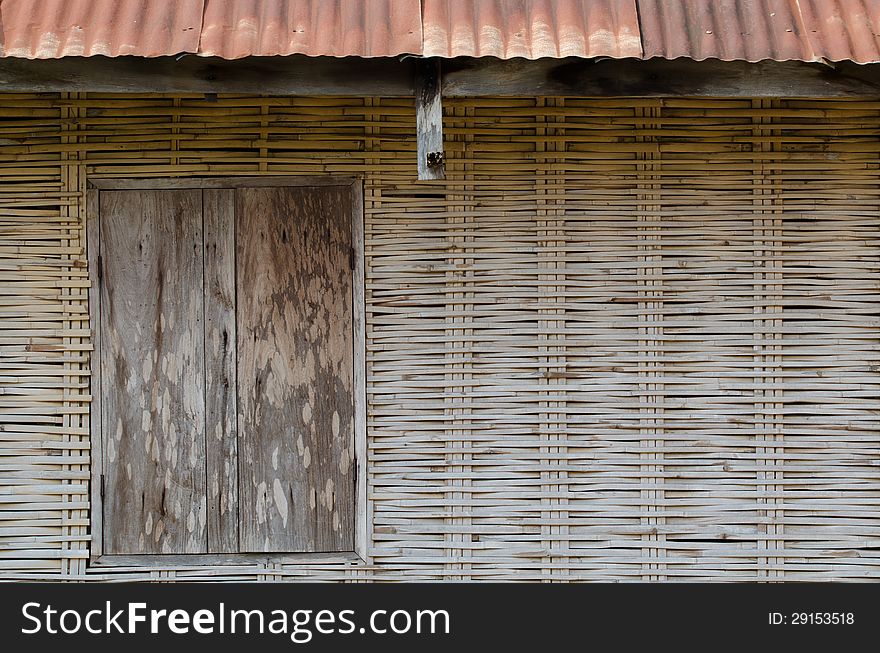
(295, 369)
(226, 356)
(152, 368)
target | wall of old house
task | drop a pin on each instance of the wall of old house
(624, 340)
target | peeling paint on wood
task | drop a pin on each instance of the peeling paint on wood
(295, 369)
(228, 336)
(153, 372)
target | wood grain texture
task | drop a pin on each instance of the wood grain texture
(605, 78)
(359, 373)
(93, 251)
(224, 182)
(220, 371)
(429, 120)
(153, 372)
(301, 75)
(291, 75)
(295, 424)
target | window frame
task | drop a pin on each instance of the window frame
(362, 525)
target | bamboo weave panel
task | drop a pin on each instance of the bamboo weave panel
(624, 340)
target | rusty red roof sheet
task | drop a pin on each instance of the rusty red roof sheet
(531, 28)
(48, 29)
(376, 28)
(751, 30)
(754, 30)
(841, 30)
(42, 29)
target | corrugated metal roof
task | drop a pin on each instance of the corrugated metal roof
(531, 28)
(841, 30)
(48, 29)
(753, 30)
(338, 28)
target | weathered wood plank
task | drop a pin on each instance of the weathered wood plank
(218, 560)
(294, 75)
(362, 502)
(220, 373)
(153, 372)
(300, 75)
(429, 120)
(93, 250)
(220, 182)
(295, 428)
(575, 77)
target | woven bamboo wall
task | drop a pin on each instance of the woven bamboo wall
(626, 340)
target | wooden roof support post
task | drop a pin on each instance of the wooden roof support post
(429, 119)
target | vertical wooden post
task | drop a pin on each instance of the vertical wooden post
(429, 120)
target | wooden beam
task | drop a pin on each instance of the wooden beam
(389, 77)
(294, 75)
(657, 78)
(429, 120)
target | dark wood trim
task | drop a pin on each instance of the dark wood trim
(391, 77)
(658, 78)
(294, 75)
